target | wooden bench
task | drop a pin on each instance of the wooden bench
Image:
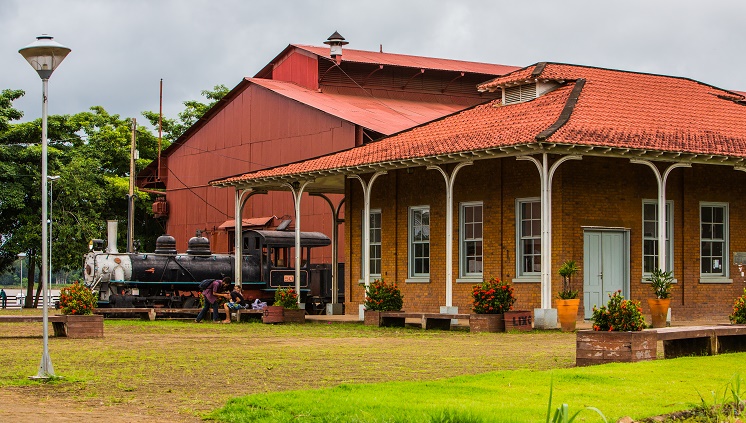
(429, 320)
(248, 314)
(143, 313)
(67, 326)
(702, 340)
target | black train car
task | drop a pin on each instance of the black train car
(166, 278)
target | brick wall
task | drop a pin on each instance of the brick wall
(595, 192)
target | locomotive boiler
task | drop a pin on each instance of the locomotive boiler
(166, 278)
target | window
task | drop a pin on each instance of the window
(528, 232)
(650, 236)
(419, 241)
(471, 240)
(713, 239)
(375, 245)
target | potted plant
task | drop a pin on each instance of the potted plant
(568, 301)
(287, 298)
(739, 310)
(381, 296)
(490, 300)
(617, 334)
(77, 303)
(660, 281)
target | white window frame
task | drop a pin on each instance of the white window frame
(654, 238)
(522, 276)
(373, 275)
(723, 276)
(463, 265)
(422, 276)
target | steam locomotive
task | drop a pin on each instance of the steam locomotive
(168, 279)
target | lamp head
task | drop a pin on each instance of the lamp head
(44, 55)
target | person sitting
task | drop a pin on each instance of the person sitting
(236, 302)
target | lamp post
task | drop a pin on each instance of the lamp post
(21, 256)
(48, 292)
(44, 55)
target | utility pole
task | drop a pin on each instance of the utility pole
(131, 196)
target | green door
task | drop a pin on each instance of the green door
(605, 266)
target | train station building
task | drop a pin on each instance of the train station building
(623, 172)
(306, 102)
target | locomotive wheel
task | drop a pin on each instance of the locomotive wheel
(190, 302)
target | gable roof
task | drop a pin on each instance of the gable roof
(381, 114)
(392, 59)
(594, 111)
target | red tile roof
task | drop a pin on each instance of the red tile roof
(373, 57)
(617, 109)
(383, 115)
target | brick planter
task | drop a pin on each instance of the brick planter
(84, 326)
(518, 320)
(596, 347)
(273, 314)
(294, 316)
(486, 323)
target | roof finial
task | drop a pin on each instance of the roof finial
(335, 42)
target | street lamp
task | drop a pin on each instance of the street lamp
(48, 292)
(44, 55)
(21, 256)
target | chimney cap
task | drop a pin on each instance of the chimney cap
(336, 39)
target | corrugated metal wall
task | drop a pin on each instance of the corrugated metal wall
(252, 132)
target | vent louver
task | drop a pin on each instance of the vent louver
(519, 93)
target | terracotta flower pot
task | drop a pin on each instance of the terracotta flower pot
(659, 311)
(486, 323)
(567, 313)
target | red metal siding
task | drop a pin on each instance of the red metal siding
(299, 67)
(256, 130)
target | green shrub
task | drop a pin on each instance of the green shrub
(661, 282)
(380, 296)
(287, 298)
(492, 297)
(739, 310)
(77, 299)
(618, 315)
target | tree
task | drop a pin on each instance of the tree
(194, 110)
(90, 153)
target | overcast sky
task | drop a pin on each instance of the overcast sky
(122, 48)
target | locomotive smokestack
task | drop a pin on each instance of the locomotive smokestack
(111, 226)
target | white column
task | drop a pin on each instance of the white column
(334, 309)
(546, 174)
(367, 188)
(241, 197)
(661, 179)
(449, 179)
(297, 189)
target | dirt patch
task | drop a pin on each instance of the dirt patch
(176, 371)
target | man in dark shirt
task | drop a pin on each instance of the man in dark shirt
(211, 295)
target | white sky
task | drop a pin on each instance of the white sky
(122, 48)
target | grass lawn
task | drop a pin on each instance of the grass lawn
(178, 371)
(638, 390)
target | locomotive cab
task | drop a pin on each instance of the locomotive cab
(276, 253)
